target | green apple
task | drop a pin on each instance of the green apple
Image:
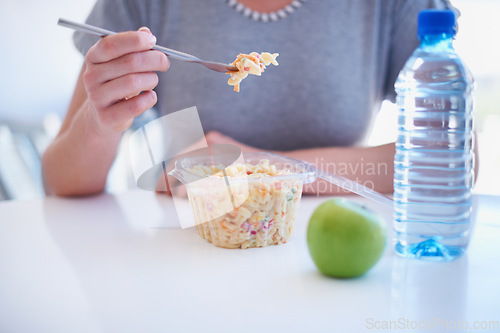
(345, 239)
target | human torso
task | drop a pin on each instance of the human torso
(323, 92)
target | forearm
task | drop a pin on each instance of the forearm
(78, 160)
(372, 166)
(115, 85)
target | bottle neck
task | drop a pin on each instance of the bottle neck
(437, 42)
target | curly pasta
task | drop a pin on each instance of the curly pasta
(267, 215)
(253, 63)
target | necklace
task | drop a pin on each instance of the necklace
(265, 17)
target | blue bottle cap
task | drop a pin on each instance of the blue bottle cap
(435, 21)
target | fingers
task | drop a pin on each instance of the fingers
(120, 76)
(214, 137)
(115, 46)
(124, 87)
(138, 62)
(120, 116)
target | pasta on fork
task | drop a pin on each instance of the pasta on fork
(253, 63)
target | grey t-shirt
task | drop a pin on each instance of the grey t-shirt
(338, 60)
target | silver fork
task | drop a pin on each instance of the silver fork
(215, 66)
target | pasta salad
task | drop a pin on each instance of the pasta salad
(267, 212)
(253, 63)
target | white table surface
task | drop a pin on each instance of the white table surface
(112, 264)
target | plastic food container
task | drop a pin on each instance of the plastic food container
(244, 205)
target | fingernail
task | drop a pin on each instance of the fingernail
(152, 38)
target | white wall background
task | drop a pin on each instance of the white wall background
(38, 63)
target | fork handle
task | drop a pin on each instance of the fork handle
(103, 33)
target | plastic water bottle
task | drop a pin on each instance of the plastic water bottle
(433, 165)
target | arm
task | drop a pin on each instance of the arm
(114, 86)
(370, 166)
(78, 160)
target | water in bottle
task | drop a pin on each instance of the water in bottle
(433, 165)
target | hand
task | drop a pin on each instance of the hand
(120, 77)
(214, 137)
